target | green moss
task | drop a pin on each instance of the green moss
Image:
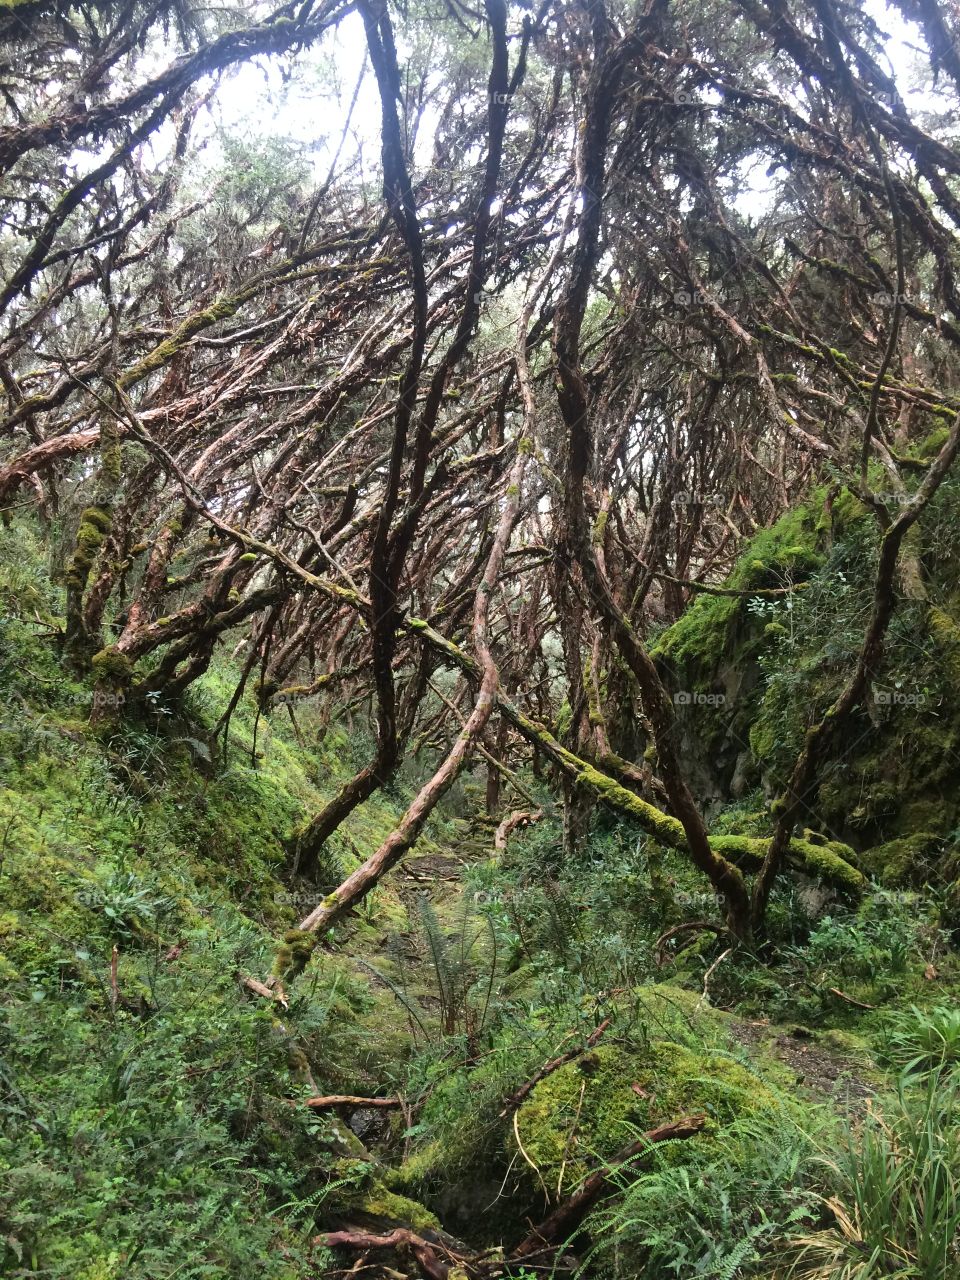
(906, 860)
(826, 865)
(294, 954)
(109, 665)
(931, 445)
(164, 352)
(590, 1108)
(564, 719)
(831, 862)
(369, 1197)
(655, 822)
(946, 636)
(94, 526)
(714, 628)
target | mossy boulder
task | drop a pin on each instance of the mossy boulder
(713, 628)
(712, 654)
(590, 1109)
(908, 860)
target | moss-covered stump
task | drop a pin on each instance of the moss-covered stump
(593, 1107)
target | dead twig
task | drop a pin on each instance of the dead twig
(114, 984)
(710, 972)
(424, 1252)
(515, 1099)
(688, 926)
(345, 1100)
(859, 1004)
(261, 989)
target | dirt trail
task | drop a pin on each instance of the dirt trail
(821, 1072)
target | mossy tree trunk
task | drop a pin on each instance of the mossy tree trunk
(95, 525)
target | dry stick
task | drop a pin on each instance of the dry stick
(688, 926)
(835, 991)
(710, 972)
(491, 759)
(114, 984)
(261, 989)
(345, 1100)
(568, 1215)
(523, 1151)
(519, 817)
(515, 1099)
(570, 1136)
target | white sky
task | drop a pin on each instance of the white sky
(284, 98)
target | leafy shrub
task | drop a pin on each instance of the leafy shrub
(920, 1040)
(712, 1209)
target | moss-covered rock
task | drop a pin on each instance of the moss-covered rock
(908, 860)
(711, 654)
(593, 1107)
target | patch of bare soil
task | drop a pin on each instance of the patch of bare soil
(821, 1071)
(433, 868)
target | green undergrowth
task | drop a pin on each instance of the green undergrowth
(152, 1117)
(147, 1127)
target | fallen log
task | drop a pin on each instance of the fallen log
(519, 818)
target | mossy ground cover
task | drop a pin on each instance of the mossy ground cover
(147, 1127)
